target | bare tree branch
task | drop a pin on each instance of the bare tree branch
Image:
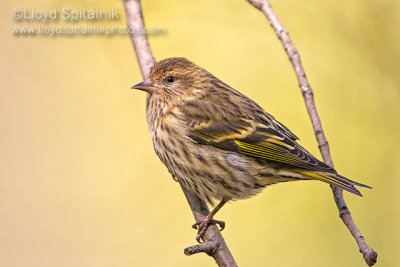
(370, 256)
(214, 244)
(137, 33)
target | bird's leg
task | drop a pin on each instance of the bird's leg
(204, 223)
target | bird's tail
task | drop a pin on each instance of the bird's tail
(334, 179)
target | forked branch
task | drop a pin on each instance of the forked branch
(214, 244)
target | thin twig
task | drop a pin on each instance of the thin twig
(208, 248)
(214, 244)
(370, 256)
(137, 33)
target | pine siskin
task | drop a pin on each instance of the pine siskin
(220, 144)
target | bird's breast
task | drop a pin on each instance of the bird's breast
(169, 136)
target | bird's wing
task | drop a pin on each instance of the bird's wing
(259, 137)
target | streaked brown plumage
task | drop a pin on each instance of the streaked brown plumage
(219, 143)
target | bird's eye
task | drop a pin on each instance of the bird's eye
(170, 79)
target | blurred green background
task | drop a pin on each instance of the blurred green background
(80, 184)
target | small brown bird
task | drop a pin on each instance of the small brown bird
(220, 144)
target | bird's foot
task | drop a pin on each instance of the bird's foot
(202, 226)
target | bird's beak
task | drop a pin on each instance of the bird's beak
(146, 85)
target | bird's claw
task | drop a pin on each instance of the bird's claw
(202, 226)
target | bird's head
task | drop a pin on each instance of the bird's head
(173, 78)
